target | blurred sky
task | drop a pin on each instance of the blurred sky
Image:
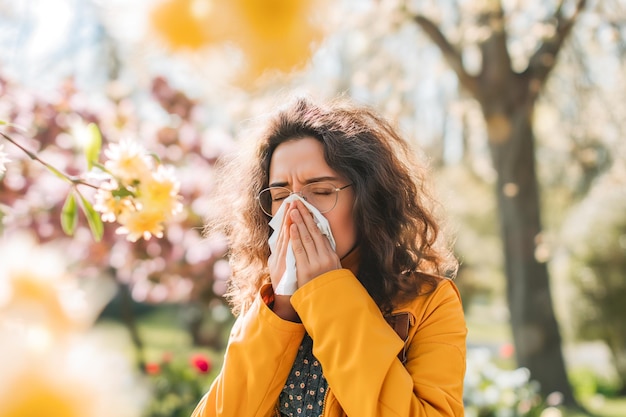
(43, 40)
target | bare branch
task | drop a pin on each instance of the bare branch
(450, 53)
(543, 60)
(496, 61)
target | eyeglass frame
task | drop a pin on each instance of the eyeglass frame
(335, 190)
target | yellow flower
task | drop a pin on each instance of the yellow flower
(74, 379)
(156, 202)
(109, 205)
(184, 23)
(139, 197)
(276, 34)
(39, 395)
(160, 192)
(39, 294)
(142, 224)
(128, 161)
(270, 19)
(272, 34)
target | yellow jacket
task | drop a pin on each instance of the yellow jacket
(357, 349)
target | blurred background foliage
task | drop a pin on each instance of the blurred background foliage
(187, 78)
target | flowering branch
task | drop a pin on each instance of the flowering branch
(137, 193)
(34, 157)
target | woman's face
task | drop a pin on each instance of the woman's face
(298, 162)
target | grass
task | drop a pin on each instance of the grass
(605, 407)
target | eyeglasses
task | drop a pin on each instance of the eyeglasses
(322, 195)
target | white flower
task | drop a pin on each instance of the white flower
(128, 161)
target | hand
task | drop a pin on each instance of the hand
(313, 251)
(276, 261)
(276, 264)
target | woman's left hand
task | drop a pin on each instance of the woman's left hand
(313, 251)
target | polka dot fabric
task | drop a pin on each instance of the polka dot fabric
(305, 389)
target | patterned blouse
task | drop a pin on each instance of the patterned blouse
(305, 389)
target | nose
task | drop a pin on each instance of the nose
(300, 194)
(299, 191)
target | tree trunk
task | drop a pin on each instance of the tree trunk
(535, 331)
(507, 99)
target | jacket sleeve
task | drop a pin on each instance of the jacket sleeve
(358, 349)
(259, 355)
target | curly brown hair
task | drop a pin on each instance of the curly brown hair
(397, 231)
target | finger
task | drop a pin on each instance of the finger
(310, 264)
(321, 241)
(276, 261)
(283, 232)
(304, 235)
(299, 250)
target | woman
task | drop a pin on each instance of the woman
(373, 329)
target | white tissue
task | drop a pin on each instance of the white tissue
(288, 283)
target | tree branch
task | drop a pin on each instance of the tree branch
(543, 60)
(66, 177)
(450, 53)
(496, 70)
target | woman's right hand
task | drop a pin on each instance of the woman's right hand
(276, 264)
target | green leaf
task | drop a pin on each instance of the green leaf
(155, 157)
(93, 219)
(93, 145)
(122, 192)
(69, 215)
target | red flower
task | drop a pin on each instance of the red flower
(153, 368)
(201, 363)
